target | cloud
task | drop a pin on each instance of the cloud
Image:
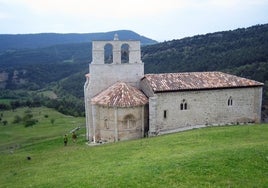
(160, 19)
(102, 8)
(4, 13)
(4, 16)
(124, 9)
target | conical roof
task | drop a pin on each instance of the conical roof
(120, 94)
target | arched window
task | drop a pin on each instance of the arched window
(106, 124)
(183, 105)
(230, 101)
(129, 121)
(125, 53)
(108, 54)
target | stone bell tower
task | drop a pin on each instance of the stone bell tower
(102, 75)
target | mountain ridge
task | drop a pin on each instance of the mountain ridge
(41, 40)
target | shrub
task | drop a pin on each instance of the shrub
(17, 119)
(28, 119)
(52, 121)
(4, 122)
(30, 122)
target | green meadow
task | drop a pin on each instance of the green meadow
(225, 156)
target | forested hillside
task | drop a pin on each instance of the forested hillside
(60, 69)
(226, 51)
(26, 41)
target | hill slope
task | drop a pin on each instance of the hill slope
(215, 51)
(243, 52)
(24, 41)
(229, 156)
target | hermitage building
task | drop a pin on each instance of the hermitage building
(122, 103)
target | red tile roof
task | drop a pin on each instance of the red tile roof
(120, 95)
(196, 81)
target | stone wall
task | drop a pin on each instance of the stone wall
(115, 124)
(104, 75)
(204, 108)
(87, 101)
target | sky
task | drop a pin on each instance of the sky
(161, 20)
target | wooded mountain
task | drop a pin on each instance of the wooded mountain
(25, 41)
(243, 52)
(61, 68)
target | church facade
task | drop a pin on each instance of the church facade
(122, 103)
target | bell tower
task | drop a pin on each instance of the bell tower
(102, 75)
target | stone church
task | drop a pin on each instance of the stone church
(123, 103)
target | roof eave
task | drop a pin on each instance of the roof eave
(198, 89)
(118, 106)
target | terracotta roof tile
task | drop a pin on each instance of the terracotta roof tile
(120, 95)
(196, 80)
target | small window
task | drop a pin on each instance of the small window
(183, 105)
(129, 121)
(165, 114)
(106, 124)
(230, 101)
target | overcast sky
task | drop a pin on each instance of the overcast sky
(157, 19)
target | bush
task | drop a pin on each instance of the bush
(4, 122)
(30, 122)
(17, 119)
(52, 121)
(28, 119)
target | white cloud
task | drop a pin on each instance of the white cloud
(4, 16)
(158, 19)
(104, 8)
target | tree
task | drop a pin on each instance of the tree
(17, 119)
(52, 121)
(14, 104)
(4, 122)
(28, 119)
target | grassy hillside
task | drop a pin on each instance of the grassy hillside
(228, 156)
(50, 125)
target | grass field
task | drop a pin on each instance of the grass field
(16, 135)
(227, 156)
(5, 101)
